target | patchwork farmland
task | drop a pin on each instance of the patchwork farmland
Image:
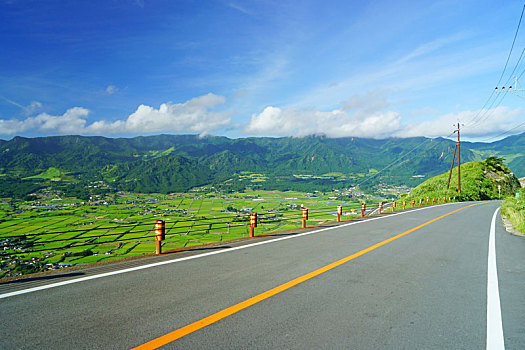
(59, 232)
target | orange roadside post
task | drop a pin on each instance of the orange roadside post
(380, 206)
(413, 203)
(253, 223)
(159, 235)
(363, 208)
(305, 217)
(393, 206)
(404, 204)
(339, 213)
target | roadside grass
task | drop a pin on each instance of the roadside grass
(514, 209)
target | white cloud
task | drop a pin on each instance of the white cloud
(337, 123)
(432, 46)
(13, 126)
(69, 123)
(239, 8)
(366, 116)
(33, 108)
(272, 121)
(193, 116)
(111, 89)
(475, 123)
(360, 116)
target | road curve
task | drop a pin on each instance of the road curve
(423, 286)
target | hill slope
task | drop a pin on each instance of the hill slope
(480, 180)
(168, 163)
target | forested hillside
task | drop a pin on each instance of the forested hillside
(168, 163)
(480, 180)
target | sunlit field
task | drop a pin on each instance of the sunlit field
(57, 232)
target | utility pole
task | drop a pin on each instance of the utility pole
(457, 147)
(513, 90)
(459, 163)
(452, 164)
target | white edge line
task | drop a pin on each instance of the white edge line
(106, 274)
(495, 338)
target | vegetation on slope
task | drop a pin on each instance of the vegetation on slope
(514, 209)
(174, 163)
(510, 148)
(480, 180)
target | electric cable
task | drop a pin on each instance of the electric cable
(504, 133)
(477, 116)
(398, 161)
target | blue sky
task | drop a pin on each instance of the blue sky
(122, 68)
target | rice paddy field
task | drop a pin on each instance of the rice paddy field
(55, 232)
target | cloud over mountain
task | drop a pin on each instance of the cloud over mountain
(193, 116)
(368, 115)
(336, 123)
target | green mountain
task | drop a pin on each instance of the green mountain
(511, 149)
(170, 163)
(480, 180)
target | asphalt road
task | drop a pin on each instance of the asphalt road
(426, 289)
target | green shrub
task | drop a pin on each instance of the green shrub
(514, 209)
(479, 181)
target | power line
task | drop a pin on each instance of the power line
(505, 94)
(477, 117)
(515, 67)
(482, 112)
(504, 133)
(512, 46)
(398, 161)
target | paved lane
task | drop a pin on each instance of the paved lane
(511, 274)
(427, 289)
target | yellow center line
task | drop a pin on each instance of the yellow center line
(181, 332)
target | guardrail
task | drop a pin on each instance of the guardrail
(170, 234)
(97, 235)
(190, 230)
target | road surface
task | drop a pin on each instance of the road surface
(417, 279)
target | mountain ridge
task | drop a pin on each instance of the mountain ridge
(186, 161)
